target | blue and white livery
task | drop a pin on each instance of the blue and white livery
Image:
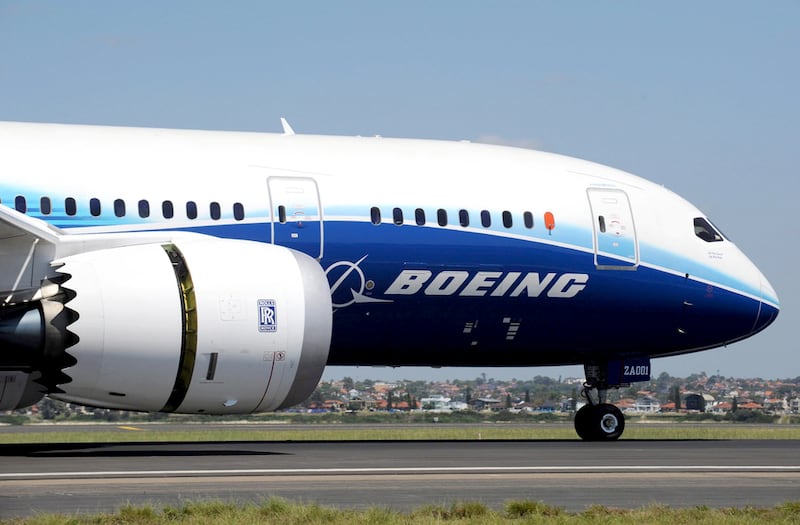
(219, 272)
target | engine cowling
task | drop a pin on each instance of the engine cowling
(196, 326)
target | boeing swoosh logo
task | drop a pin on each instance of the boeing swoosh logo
(356, 285)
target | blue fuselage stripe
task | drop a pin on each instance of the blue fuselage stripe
(460, 317)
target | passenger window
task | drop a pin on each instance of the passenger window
(527, 218)
(20, 204)
(282, 214)
(215, 211)
(94, 207)
(486, 218)
(463, 218)
(397, 216)
(119, 208)
(144, 209)
(45, 206)
(167, 209)
(507, 221)
(602, 223)
(441, 217)
(704, 230)
(70, 206)
(375, 215)
(238, 211)
(191, 210)
(419, 216)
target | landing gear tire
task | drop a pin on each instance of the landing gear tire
(583, 422)
(603, 422)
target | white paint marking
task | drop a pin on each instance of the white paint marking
(405, 470)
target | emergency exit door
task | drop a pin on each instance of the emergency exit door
(615, 243)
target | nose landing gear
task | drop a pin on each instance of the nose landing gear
(599, 420)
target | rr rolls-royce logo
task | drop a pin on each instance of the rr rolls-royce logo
(267, 316)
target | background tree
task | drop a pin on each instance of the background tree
(675, 396)
(47, 408)
(316, 397)
(51, 408)
(348, 383)
(412, 402)
(662, 383)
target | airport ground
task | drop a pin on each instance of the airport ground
(361, 429)
(42, 471)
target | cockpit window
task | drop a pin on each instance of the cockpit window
(704, 230)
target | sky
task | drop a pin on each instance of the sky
(701, 97)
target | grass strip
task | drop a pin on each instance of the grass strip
(152, 433)
(277, 510)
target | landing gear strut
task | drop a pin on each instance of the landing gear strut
(598, 420)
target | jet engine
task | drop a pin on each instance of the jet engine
(200, 325)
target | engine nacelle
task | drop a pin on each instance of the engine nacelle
(198, 326)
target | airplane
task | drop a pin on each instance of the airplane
(215, 272)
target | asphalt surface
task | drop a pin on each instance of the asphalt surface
(87, 478)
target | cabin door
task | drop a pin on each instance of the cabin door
(296, 214)
(615, 243)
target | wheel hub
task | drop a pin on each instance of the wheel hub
(609, 423)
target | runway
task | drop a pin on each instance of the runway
(402, 475)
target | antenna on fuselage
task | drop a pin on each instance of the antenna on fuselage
(287, 129)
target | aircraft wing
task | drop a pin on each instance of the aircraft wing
(14, 224)
(27, 245)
